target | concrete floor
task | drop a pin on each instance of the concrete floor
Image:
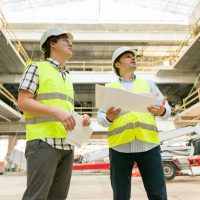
(97, 187)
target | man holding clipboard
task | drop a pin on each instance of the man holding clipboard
(133, 136)
(46, 97)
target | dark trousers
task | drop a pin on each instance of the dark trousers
(150, 167)
(48, 171)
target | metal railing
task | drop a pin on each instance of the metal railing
(8, 95)
(91, 111)
(197, 82)
(194, 97)
(141, 66)
(194, 32)
(5, 26)
(190, 100)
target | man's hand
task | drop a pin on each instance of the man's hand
(158, 110)
(66, 118)
(27, 103)
(86, 120)
(112, 113)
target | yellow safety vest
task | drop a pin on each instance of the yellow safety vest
(52, 91)
(126, 127)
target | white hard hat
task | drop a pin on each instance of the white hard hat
(53, 32)
(121, 51)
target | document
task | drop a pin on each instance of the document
(80, 135)
(106, 97)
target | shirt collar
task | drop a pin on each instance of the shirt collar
(132, 79)
(57, 65)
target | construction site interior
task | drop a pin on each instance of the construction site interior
(166, 35)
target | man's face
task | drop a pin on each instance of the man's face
(126, 63)
(63, 46)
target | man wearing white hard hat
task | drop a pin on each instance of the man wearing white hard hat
(46, 97)
(133, 136)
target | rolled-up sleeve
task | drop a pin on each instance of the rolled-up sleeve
(155, 89)
(101, 118)
(30, 79)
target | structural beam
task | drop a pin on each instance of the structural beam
(195, 17)
(10, 60)
(190, 58)
(163, 76)
(7, 113)
(107, 32)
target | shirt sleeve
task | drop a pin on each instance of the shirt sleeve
(154, 89)
(101, 118)
(30, 79)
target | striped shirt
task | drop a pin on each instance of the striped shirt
(136, 145)
(30, 82)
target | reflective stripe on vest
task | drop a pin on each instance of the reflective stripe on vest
(48, 96)
(132, 126)
(38, 120)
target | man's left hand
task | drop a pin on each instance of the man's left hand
(86, 120)
(158, 110)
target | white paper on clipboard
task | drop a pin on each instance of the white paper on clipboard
(80, 135)
(107, 97)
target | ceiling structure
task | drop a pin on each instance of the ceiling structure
(155, 29)
(103, 11)
(94, 44)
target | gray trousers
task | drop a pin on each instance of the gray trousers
(48, 171)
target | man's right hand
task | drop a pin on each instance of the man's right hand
(113, 113)
(66, 118)
(27, 103)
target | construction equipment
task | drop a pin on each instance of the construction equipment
(180, 142)
(177, 147)
(93, 156)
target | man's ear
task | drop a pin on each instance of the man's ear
(117, 64)
(52, 44)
